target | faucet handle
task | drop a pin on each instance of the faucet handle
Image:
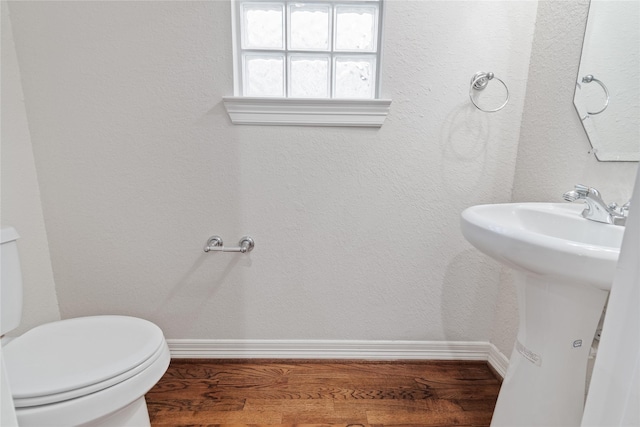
(585, 191)
(624, 209)
(579, 192)
(582, 190)
(571, 196)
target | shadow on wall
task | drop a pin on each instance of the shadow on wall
(464, 137)
(468, 288)
(188, 299)
(217, 115)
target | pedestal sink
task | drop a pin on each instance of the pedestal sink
(565, 266)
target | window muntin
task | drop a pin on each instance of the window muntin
(317, 49)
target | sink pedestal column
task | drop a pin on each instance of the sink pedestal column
(545, 382)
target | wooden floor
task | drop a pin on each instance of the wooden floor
(322, 393)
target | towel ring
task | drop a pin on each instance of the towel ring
(588, 79)
(479, 81)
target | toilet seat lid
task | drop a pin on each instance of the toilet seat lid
(74, 354)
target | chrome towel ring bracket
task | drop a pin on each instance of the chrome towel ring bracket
(480, 81)
(588, 79)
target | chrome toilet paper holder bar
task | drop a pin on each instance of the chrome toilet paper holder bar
(215, 244)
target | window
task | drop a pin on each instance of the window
(314, 63)
(308, 50)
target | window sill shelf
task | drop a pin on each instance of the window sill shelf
(307, 112)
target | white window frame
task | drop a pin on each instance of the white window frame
(303, 111)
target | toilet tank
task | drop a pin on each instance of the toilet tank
(10, 281)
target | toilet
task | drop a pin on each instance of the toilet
(86, 371)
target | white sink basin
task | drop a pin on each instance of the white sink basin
(547, 239)
(565, 266)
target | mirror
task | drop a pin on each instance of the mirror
(607, 94)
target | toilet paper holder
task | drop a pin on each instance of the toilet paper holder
(215, 244)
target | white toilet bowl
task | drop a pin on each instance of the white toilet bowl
(90, 371)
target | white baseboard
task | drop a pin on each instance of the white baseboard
(498, 361)
(338, 349)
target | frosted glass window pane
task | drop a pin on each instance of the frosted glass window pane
(307, 48)
(308, 76)
(354, 77)
(262, 26)
(309, 27)
(356, 28)
(264, 75)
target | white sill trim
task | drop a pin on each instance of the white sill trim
(307, 112)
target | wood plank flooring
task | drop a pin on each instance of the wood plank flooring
(323, 393)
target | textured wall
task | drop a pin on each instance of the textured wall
(357, 230)
(21, 207)
(554, 152)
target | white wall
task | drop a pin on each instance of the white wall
(554, 152)
(357, 230)
(614, 393)
(21, 207)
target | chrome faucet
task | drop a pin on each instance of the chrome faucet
(597, 209)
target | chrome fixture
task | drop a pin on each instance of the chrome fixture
(214, 244)
(588, 79)
(597, 209)
(479, 81)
